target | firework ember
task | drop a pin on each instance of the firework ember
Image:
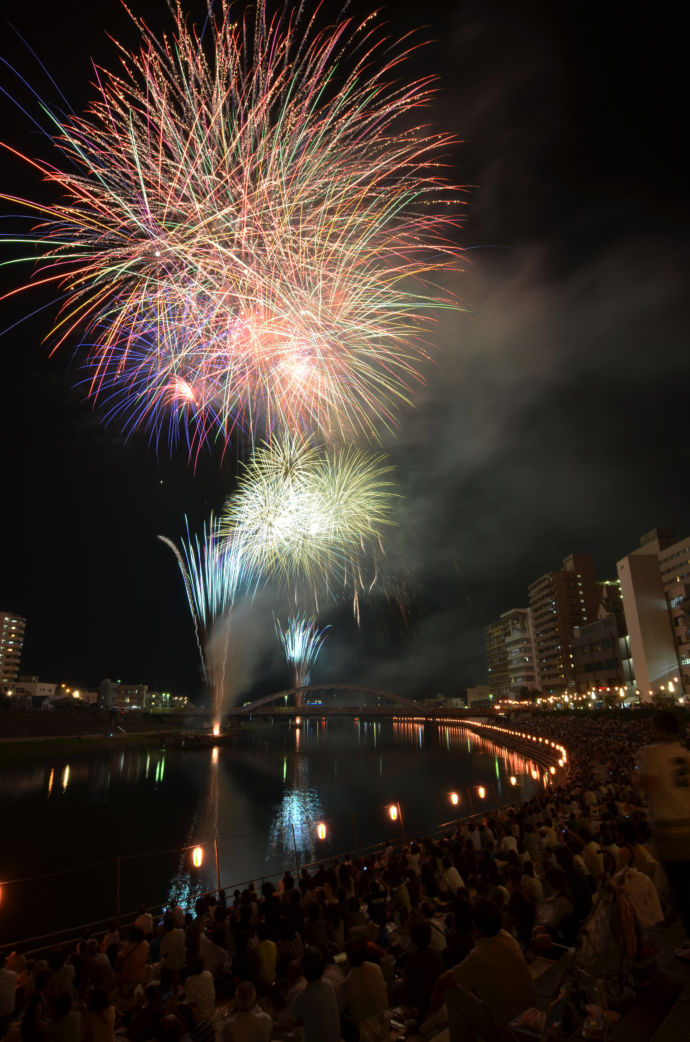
(308, 515)
(249, 229)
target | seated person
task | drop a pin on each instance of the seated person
(363, 994)
(557, 916)
(490, 986)
(250, 1023)
(421, 970)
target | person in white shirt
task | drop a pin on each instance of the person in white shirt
(250, 1023)
(451, 878)
(509, 842)
(199, 990)
(363, 994)
(173, 947)
(664, 772)
(532, 883)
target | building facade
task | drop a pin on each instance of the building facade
(12, 628)
(496, 658)
(674, 566)
(601, 649)
(657, 652)
(510, 657)
(559, 602)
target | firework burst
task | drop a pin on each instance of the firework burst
(249, 229)
(307, 515)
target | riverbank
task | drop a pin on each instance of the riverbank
(23, 734)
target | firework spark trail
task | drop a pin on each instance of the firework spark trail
(308, 516)
(215, 573)
(250, 229)
(302, 641)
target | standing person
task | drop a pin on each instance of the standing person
(664, 773)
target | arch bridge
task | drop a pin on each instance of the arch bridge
(298, 700)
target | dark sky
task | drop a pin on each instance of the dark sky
(554, 418)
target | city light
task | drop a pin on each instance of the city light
(454, 798)
(481, 792)
(513, 780)
(393, 812)
(321, 830)
(197, 857)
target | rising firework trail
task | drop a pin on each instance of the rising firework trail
(302, 641)
(215, 575)
(249, 228)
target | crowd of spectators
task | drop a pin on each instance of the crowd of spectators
(327, 955)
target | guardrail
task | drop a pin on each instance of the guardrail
(550, 755)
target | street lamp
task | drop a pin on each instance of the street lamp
(395, 814)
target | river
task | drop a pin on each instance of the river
(86, 832)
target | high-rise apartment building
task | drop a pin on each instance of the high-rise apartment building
(674, 565)
(496, 659)
(12, 628)
(559, 602)
(601, 649)
(655, 583)
(510, 653)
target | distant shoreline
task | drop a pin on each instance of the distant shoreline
(83, 729)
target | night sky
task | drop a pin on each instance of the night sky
(554, 416)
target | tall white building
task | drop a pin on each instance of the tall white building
(655, 580)
(12, 628)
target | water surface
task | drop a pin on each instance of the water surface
(79, 831)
